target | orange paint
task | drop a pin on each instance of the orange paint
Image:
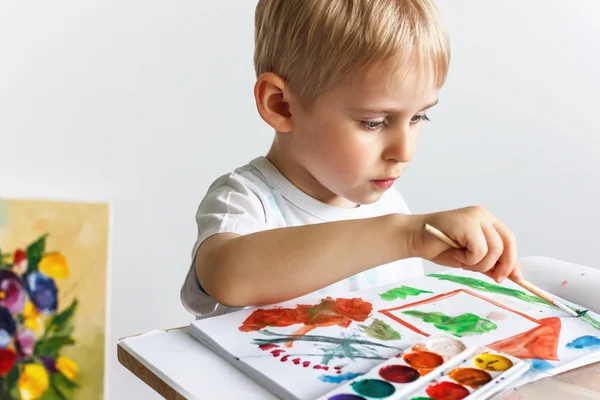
(329, 312)
(423, 361)
(471, 377)
(539, 342)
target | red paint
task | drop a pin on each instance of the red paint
(305, 364)
(328, 312)
(399, 374)
(19, 256)
(388, 312)
(338, 368)
(7, 360)
(447, 391)
(539, 342)
(324, 367)
(267, 346)
(284, 358)
(277, 353)
(564, 283)
(296, 361)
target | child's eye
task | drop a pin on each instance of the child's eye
(418, 118)
(373, 125)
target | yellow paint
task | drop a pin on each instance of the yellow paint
(67, 367)
(33, 381)
(31, 317)
(492, 362)
(55, 266)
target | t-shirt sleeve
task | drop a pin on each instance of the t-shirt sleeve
(232, 205)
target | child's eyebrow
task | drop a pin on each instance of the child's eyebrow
(369, 110)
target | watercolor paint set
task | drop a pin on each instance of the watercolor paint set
(440, 368)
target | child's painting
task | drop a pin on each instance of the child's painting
(307, 348)
(53, 274)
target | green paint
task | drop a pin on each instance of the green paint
(380, 330)
(462, 325)
(490, 288)
(402, 293)
(594, 322)
(497, 289)
(375, 388)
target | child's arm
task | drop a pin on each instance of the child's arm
(280, 264)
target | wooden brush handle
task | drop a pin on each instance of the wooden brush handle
(534, 289)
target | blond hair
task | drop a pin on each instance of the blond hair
(314, 44)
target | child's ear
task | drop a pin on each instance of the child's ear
(272, 101)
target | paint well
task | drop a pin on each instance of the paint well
(445, 346)
(345, 396)
(471, 377)
(374, 388)
(399, 374)
(587, 342)
(447, 391)
(492, 362)
(423, 361)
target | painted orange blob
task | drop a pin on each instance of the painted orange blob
(471, 377)
(329, 312)
(423, 361)
(539, 342)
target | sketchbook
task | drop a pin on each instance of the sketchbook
(320, 347)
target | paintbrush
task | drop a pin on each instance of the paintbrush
(523, 283)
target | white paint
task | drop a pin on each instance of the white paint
(115, 101)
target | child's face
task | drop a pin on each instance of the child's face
(358, 138)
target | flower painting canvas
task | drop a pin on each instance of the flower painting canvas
(53, 274)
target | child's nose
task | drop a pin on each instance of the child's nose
(400, 147)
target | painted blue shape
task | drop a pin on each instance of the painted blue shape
(371, 276)
(540, 365)
(585, 342)
(348, 376)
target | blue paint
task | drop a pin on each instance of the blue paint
(540, 365)
(371, 276)
(348, 376)
(585, 342)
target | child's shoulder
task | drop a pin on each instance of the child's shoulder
(246, 179)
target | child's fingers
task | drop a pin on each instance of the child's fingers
(507, 263)
(476, 248)
(495, 247)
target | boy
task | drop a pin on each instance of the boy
(346, 85)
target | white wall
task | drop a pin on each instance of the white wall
(139, 103)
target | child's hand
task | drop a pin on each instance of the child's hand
(490, 247)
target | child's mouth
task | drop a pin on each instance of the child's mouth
(384, 183)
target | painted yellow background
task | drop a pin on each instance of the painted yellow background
(81, 232)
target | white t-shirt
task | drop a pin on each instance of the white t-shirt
(258, 197)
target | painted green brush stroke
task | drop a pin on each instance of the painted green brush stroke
(594, 322)
(497, 289)
(380, 330)
(462, 325)
(491, 288)
(402, 293)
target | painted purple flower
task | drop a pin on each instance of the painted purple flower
(42, 291)
(11, 292)
(7, 324)
(49, 363)
(4, 339)
(26, 342)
